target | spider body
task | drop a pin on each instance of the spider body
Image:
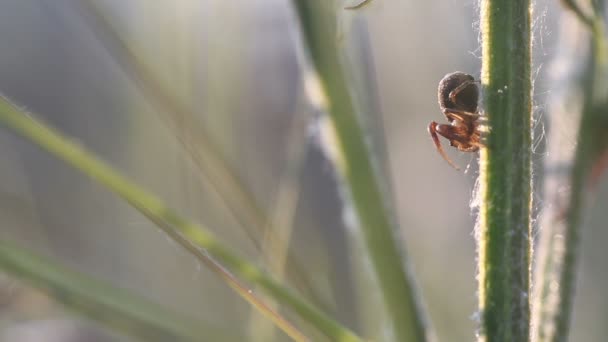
(458, 100)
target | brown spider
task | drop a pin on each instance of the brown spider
(458, 96)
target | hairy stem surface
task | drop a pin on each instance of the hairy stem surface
(505, 171)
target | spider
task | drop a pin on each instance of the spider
(458, 95)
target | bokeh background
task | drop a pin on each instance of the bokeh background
(237, 67)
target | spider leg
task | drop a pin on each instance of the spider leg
(433, 132)
(461, 115)
(460, 88)
(473, 147)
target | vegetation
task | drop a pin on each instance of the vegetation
(515, 304)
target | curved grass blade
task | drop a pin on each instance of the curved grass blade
(113, 307)
(559, 246)
(238, 200)
(197, 240)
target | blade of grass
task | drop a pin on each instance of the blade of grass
(238, 200)
(573, 6)
(116, 308)
(317, 21)
(505, 181)
(176, 114)
(556, 269)
(284, 205)
(197, 240)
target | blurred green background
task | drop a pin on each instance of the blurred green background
(237, 66)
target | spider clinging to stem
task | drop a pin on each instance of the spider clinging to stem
(458, 97)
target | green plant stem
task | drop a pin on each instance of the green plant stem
(505, 171)
(317, 22)
(197, 240)
(560, 240)
(113, 307)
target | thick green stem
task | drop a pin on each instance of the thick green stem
(505, 171)
(355, 164)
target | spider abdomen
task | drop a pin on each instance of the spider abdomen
(466, 96)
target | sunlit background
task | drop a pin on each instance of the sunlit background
(153, 86)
